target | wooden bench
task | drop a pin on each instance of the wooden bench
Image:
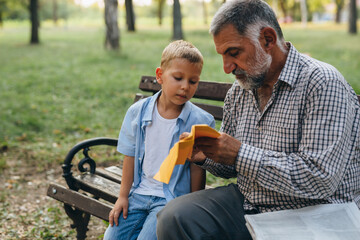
(92, 190)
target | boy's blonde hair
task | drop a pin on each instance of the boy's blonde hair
(181, 49)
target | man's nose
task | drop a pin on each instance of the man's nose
(228, 65)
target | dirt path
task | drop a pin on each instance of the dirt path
(27, 213)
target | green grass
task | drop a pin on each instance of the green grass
(69, 88)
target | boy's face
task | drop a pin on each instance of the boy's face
(179, 81)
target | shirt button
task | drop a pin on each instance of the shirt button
(139, 158)
(259, 128)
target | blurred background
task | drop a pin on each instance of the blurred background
(69, 70)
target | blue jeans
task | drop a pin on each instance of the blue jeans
(141, 220)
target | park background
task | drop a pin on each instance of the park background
(71, 85)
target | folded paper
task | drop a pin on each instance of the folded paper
(183, 150)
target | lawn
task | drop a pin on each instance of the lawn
(69, 88)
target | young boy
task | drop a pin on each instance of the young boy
(150, 128)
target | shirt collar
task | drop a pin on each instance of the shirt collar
(185, 112)
(289, 72)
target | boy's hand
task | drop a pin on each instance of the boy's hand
(184, 135)
(197, 155)
(121, 205)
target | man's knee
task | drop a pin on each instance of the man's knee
(171, 215)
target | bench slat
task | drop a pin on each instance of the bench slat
(110, 173)
(115, 170)
(79, 201)
(216, 111)
(98, 186)
(206, 90)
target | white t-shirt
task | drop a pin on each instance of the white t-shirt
(158, 136)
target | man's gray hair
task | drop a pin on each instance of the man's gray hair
(247, 16)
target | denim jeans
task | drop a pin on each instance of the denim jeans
(141, 220)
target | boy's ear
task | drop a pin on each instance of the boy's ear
(158, 75)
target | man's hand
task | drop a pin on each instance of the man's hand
(223, 149)
(121, 205)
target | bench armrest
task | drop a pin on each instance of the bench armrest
(83, 146)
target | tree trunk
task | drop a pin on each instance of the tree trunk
(1, 19)
(130, 16)
(352, 17)
(112, 29)
(284, 8)
(205, 12)
(177, 24)
(55, 16)
(34, 22)
(304, 14)
(160, 10)
(339, 7)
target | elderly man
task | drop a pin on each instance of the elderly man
(290, 132)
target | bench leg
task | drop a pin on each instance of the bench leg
(80, 221)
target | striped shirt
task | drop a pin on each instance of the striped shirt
(303, 149)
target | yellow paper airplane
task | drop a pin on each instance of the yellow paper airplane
(183, 150)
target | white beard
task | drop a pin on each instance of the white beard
(261, 64)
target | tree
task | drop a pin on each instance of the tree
(55, 15)
(205, 12)
(352, 17)
(112, 38)
(304, 13)
(34, 18)
(160, 10)
(177, 21)
(130, 16)
(283, 7)
(339, 7)
(2, 9)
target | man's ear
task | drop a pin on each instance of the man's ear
(268, 38)
(158, 72)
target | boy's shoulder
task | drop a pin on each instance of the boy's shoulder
(140, 104)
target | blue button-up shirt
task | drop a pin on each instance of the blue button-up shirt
(132, 138)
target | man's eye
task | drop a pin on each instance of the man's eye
(178, 78)
(193, 82)
(234, 54)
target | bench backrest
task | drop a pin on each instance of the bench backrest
(206, 90)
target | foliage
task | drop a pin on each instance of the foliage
(318, 5)
(293, 7)
(14, 9)
(65, 8)
(18, 10)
